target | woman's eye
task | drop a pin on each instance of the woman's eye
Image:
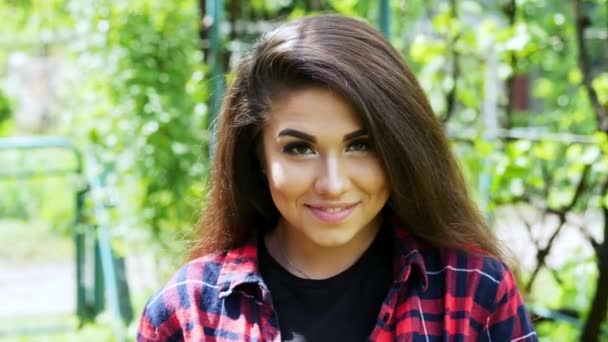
(359, 146)
(298, 148)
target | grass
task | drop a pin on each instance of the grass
(31, 244)
(53, 329)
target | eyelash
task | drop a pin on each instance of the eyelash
(363, 145)
(292, 148)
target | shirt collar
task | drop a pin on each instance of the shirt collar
(240, 267)
(407, 256)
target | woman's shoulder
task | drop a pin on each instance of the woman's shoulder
(444, 264)
(190, 279)
(482, 285)
(194, 284)
(444, 260)
(468, 273)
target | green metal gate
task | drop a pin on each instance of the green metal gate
(101, 281)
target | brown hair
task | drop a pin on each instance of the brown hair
(428, 192)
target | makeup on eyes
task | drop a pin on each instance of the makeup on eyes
(361, 144)
(297, 148)
(356, 141)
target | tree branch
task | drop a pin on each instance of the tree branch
(556, 276)
(580, 188)
(589, 237)
(581, 23)
(546, 178)
(542, 253)
(599, 307)
(529, 229)
(510, 11)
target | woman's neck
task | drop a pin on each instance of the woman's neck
(306, 259)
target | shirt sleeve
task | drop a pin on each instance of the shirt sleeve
(160, 321)
(146, 331)
(510, 320)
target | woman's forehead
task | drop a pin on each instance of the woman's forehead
(314, 110)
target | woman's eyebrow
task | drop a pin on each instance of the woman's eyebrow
(356, 134)
(305, 136)
(297, 134)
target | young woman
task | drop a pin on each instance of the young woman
(337, 211)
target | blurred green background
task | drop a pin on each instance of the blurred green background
(520, 85)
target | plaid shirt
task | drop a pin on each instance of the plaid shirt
(438, 294)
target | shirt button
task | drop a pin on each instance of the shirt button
(385, 317)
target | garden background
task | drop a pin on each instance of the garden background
(520, 85)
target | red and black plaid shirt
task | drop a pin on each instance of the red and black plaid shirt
(438, 295)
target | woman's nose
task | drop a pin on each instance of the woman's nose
(332, 179)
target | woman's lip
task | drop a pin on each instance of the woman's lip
(336, 205)
(332, 217)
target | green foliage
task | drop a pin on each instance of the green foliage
(138, 99)
(146, 119)
(49, 199)
(5, 107)
(159, 81)
(135, 99)
(569, 295)
(600, 84)
(537, 41)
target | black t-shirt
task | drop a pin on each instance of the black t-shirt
(344, 307)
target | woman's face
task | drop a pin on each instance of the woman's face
(323, 176)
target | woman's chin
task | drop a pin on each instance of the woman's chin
(331, 238)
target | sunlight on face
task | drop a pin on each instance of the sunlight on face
(323, 174)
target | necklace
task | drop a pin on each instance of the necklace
(289, 263)
(292, 265)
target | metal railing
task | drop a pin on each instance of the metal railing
(94, 256)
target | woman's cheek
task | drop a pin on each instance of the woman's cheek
(368, 174)
(291, 177)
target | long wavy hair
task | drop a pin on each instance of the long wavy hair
(428, 192)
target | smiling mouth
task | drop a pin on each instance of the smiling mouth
(332, 214)
(333, 209)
